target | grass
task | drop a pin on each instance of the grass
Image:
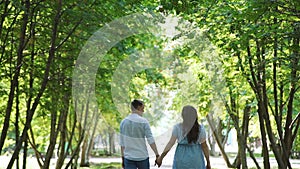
(256, 155)
(104, 166)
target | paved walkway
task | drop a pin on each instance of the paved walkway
(216, 162)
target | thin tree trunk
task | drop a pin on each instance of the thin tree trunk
(25, 153)
(71, 136)
(42, 89)
(212, 144)
(265, 151)
(234, 114)
(84, 151)
(266, 115)
(3, 15)
(219, 142)
(91, 143)
(53, 137)
(39, 156)
(81, 132)
(278, 111)
(75, 154)
(14, 81)
(244, 135)
(253, 157)
(63, 131)
(296, 122)
(257, 91)
(17, 121)
(31, 87)
(83, 161)
(111, 141)
(289, 117)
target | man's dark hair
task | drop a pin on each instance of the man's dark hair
(136, 103)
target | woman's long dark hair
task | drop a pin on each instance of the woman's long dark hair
(194, 133)
(190, 123)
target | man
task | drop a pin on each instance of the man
(134, 130)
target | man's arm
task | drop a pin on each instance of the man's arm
(154, 148)
(122, 144)
(150, 138)
(122, 153)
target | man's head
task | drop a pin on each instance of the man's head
(137, 106)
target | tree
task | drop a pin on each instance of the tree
(253, 33)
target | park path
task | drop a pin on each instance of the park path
(216, 162)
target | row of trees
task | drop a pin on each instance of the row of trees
(262, 43)
(258, 43)
(40, 42)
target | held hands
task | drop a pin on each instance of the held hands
(208, 166)
(158, 161)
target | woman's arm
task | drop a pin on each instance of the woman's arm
(166, 150)
(206, 154)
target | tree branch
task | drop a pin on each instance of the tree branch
(69, 34)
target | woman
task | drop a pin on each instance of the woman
(191, 140)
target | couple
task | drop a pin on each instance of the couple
(190, 136)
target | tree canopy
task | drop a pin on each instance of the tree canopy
(236, 61)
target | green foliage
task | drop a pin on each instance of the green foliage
(296, 146)
(237, 28)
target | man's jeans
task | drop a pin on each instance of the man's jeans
(129, 164)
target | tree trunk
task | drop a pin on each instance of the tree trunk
(39, 156)
(218, 140)
(212, 144)
(242, 132)
(72, 134)
(63, 132)
(42, 89)
(111, 141)
(75, 155)
(3, 16)
(288, 128)
(258, 93)
(266, 115)
(91, 143)
(84, 148)
(25, 153)
(14, 81)
(81, 131)
(52, 141)
(17, 121)
(244, 135)
(253, 157)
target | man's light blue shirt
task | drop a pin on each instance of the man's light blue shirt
(134, 129)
